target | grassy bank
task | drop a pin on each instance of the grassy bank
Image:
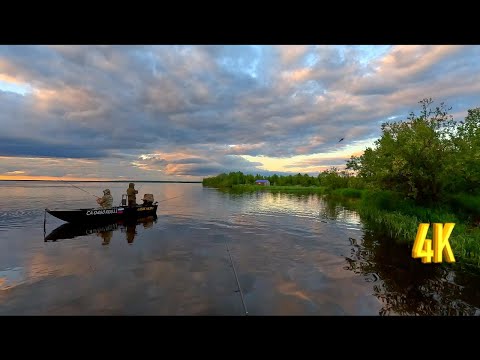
(399, 218)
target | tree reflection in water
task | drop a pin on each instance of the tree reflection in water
(406, 286)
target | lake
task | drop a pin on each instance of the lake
(212, 253)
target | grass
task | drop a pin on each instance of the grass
(399, 218)
(464, 241)
(348, 193)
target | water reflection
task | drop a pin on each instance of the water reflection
(295, 254)
(408, 287)
(104, 231)
(106, 236)
(130, 229)
(404, 285)
(332, 209)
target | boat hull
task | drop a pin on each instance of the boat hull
(95, 215)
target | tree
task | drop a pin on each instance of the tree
(467, 146)
(413, 156)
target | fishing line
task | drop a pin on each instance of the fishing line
(171, 198)
(80, 189)
(236, 277)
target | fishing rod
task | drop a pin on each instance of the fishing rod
(80, 188)
(45, 215)
(236, 277)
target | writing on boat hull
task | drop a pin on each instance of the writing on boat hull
(104, 211)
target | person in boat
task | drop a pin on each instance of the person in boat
(147, 200)
(131, 194)
(106, 201)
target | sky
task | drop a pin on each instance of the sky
(134, 112)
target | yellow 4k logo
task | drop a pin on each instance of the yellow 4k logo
(422, 248)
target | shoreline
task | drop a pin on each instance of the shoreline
(395, 217)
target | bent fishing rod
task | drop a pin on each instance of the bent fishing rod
(98, 197)
(236, 278)
(45, 215)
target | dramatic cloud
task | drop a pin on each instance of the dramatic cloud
(186, 112)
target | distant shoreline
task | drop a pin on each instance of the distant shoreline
(115, 181)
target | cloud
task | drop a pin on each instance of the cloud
(25, 147)
(211, 105)
(181, 164)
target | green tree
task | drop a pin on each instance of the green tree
(467, 157)
(413, 156)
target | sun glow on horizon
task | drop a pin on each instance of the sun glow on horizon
(285, 164)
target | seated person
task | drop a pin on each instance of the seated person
(106, 201)
(147, 200)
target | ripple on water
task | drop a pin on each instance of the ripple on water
(20, 218)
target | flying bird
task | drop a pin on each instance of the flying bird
(341, 139)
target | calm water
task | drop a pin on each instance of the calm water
(293, 255)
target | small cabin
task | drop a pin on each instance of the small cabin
(262, 182)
